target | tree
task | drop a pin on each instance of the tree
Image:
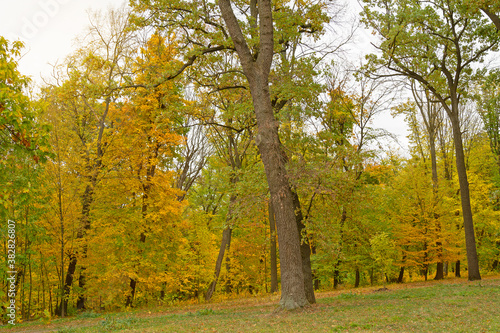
(431, 120)
(489, 7)
(147, 141)
(488, 98)
(454, 41)
(87, 92)
(252, 39)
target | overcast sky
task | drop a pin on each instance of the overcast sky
(49, 28)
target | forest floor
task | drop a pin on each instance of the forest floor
(450, 305)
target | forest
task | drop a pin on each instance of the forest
(191, 150)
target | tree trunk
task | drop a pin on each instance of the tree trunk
(470, 240)
(439, 244)
(401, 274)
(87, 199)
(68, 282)
(305, 251)
(357, 280)
(495, 19)
(316, 280)
(257, 68)
(336, 276)
(225, 244)
(274, 258)
(439, 271)
(457, 269)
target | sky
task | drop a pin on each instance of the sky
(49, 28)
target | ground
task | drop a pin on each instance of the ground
(451, 305)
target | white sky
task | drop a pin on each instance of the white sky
(49, 28)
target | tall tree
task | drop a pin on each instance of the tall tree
(257, 67)
(95, 75)
(453, 41)
(208, 28)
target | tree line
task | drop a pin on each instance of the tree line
(192, 149)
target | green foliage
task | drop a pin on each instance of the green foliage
(383, 252)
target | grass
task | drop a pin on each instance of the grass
(454, 305)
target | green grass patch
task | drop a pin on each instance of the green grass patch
(429, 307)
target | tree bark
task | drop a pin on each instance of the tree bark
(439, 244)
(495, 19)
(273, 254)
(225, 244)
(401, 274)
(470, 240)
(305, 250)
(87, 199)
(257, 72)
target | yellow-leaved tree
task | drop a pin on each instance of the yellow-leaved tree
(137, 211)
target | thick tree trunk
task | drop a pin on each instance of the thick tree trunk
(470, 240)
(130, 298)
(305, 251)
(257, 68)
(292, 277)
(401, 274)
(457, 269)
(273, 254)
(439, 271)
(495, 19)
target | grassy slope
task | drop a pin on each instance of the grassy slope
(452, 305)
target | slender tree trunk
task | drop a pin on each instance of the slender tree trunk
(225, 244)
(88, 197)
(336, 270)
(274, 257)
(439, 244)
(470, 240)
(336, 276)
(316, 280)
(358, 277)
(129, 302)
(457, 269)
